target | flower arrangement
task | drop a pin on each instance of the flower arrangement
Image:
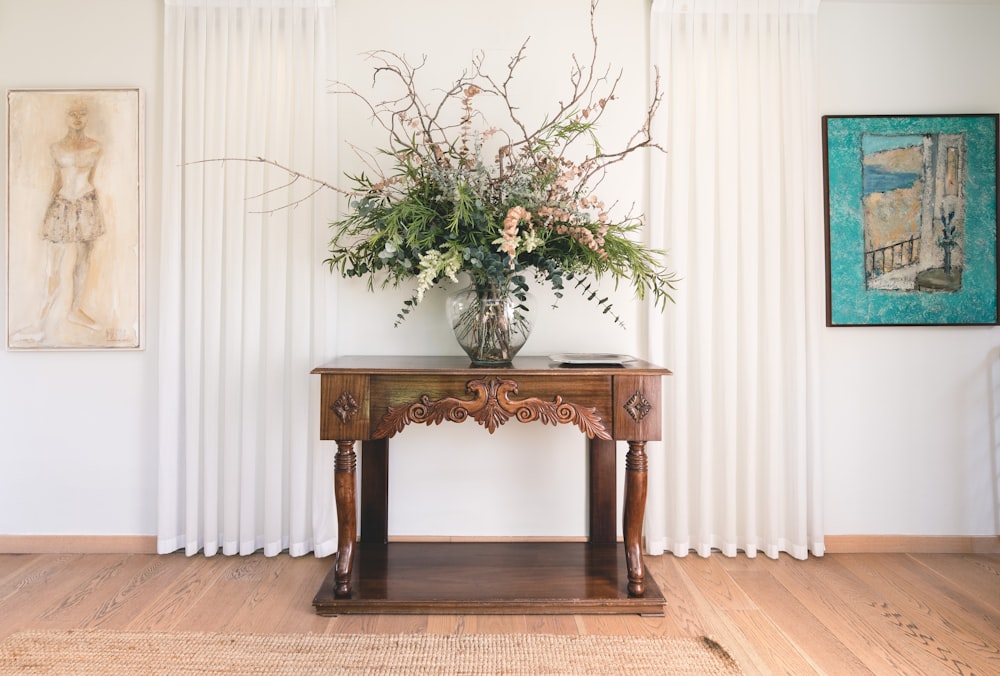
(452, 193)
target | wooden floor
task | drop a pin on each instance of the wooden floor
(839, 614)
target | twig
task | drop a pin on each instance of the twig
(295, 177)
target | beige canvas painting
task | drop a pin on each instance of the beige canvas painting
(74, 219)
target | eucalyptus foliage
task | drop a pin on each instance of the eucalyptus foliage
(450, 193)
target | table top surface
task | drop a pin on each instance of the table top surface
(528, 365)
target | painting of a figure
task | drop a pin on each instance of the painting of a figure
(914, 210)
(74, 214)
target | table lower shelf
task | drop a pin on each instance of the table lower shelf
(504, 578)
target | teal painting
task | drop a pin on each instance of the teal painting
(911, 216)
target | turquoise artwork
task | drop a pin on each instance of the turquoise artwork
(911, 215)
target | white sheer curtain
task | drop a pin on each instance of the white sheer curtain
(242, 292)
(736, 201)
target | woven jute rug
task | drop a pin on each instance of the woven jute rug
(110, 653)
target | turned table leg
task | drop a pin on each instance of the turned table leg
(635, 508)
(347, 515)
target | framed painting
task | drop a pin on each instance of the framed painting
(911, 219)
(75, 219)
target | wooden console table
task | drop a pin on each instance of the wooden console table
(374, 398)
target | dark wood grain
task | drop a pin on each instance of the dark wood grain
(603, 504)
(489, 577)
(634, 512)
(374, 398)
(345, 481)
(375, 491)
(401, 364)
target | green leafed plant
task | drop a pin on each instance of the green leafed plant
(450, 193)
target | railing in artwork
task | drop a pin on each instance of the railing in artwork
(892, 257)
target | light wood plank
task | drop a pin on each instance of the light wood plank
(604, 625)
(15, 564)
(961, 638)
(297, 589)
(29, 579)
(77, 544)
(869, 622)
(717, 623)
(835, 544)
(445, 624)
(796, 624)
(842, 613)
(715, 583)
(968, 572)
(189, 578)
(401, 624)
(680, 608)
(773, 652)
(353, 624)
(103, 601)
(24, 597)
(551, 624)
(911, 544)
(496, 624)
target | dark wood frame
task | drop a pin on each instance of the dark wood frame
(373, 398)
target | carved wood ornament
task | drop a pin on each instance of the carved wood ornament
(346, 406)
(638, 406)
(491, 407)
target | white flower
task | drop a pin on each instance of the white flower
(531, 241)
(433, 265)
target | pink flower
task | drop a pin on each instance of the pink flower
(508, 242)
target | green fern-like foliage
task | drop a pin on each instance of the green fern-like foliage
(498, 203)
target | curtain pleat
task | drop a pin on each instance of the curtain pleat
(735, 201)
(243, 290)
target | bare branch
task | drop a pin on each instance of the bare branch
(451, 192)
(296, 175)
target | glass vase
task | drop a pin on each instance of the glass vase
(491, 321)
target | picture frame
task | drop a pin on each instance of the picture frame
(911, 219)
(75, 219)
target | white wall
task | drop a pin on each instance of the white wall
(77, 451)
(908, 448)
(909, 414)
